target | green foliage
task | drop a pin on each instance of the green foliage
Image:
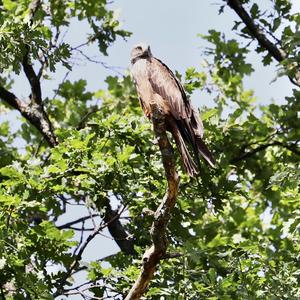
(20, 29)
(237, 226)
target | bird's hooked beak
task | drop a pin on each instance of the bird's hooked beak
(140, 51)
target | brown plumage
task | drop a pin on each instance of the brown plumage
(155, 82)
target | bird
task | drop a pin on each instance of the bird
(156, 83)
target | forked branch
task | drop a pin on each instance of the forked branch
(34, 113)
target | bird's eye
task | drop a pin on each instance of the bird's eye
(139, 48)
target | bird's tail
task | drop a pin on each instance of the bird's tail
(202, 148)
(188, 162)
(195, 140)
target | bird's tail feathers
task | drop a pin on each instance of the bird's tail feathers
(202, 148)
(188, 162)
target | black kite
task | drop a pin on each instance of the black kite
(155, 82)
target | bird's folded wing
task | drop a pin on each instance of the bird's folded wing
(164, 83)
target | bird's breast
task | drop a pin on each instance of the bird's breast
(140, 74)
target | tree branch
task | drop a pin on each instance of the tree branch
(11, 99)
(276, 52)
(117, 231)
(32, 113)
(37, 107)
(158, 249)
(113, 224)
(256, 32)
(67, 225)
(36, 92)
(76, 260)
(263, 147)
(111, 221)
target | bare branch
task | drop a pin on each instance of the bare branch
(95, 60)
(82, 219)
(76, 260)
(36, 93)
(158, 249)
(111, 221)
(115, 228)
(82, 229)
(32, 113)
(276, 52)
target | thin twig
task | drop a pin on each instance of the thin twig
(114, 219)
(76, 260)
(97, 61)
(67, 225)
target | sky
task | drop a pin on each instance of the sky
(171, 28)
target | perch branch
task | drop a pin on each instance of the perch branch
(157, 251)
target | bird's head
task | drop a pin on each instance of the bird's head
(141, 50)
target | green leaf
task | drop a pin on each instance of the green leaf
(209, 113)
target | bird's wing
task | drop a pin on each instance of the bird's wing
(165, 84)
